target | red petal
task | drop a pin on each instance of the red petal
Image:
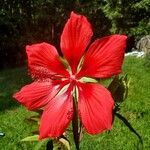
(75, 38)
(37, 94)
(57, 115)
(104, 57)
(44, 61)
(95, 106)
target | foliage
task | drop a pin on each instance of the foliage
(32, 21)
(124, 18)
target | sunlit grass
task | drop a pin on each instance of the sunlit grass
(136, 109)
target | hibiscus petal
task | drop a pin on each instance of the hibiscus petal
(76, 36)
(57, 115)
(37, 94)
(43, 60)
(104, 57)
(95, 107)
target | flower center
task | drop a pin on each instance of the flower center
(72, 77)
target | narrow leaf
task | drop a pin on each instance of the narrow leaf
(30, 138)
(34, 119)
(65, 143)
(40, 144)
(61, 143)
(125, 121)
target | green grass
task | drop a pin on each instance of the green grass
(136, 109)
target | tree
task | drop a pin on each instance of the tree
(128, 17)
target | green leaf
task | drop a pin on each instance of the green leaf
(40, 144)
(61, 143)
(65, 142)
(125, 121)
(34, 119)
(30, 138)
(119, 88)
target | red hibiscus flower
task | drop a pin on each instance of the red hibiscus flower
(56, 83)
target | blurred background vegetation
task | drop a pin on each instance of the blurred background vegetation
(24, 22)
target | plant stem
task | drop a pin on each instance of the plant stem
(75, 124)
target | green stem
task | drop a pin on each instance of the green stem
(75, 125)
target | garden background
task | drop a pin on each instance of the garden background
(32, 21)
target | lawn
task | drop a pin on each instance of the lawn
(136, 109)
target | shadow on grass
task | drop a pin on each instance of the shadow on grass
(6, 102)
(11, 81)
